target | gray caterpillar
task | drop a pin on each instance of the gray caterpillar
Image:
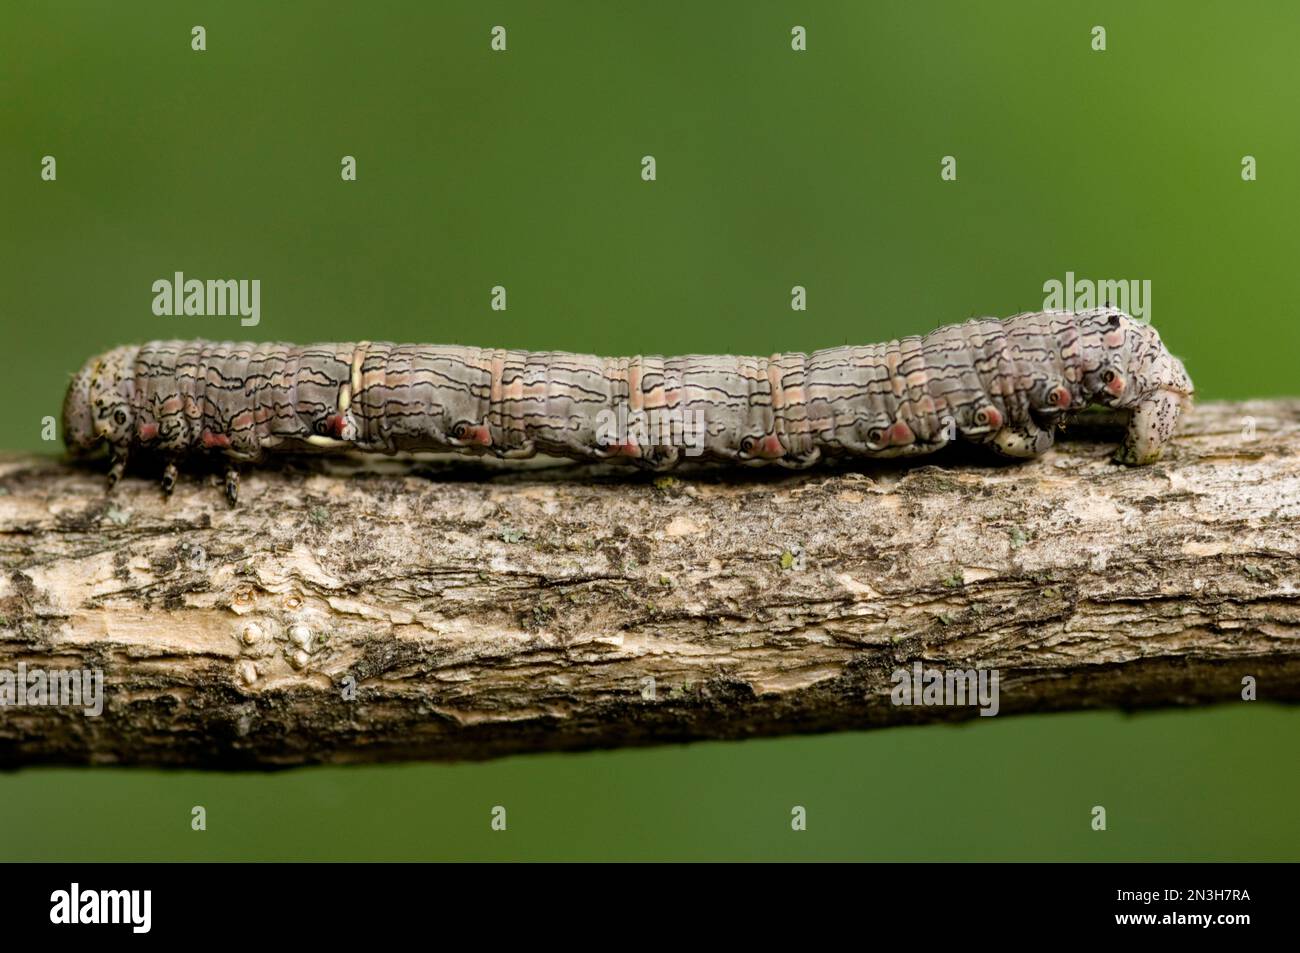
(1005, 383)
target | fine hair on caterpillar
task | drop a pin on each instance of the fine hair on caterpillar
(1003, 383)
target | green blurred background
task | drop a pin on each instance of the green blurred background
(775, 168)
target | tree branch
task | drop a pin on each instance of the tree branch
(372, 609)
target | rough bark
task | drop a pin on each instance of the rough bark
(363, 609)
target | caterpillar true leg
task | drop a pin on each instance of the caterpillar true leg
(1022, 440)
(232, 484)
(169, 477)
(117, 468)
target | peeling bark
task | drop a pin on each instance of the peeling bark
(367, 609)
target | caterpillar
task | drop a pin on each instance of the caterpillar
(1005, 383)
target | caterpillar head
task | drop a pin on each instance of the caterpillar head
(1125, 363)
(97, 407)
